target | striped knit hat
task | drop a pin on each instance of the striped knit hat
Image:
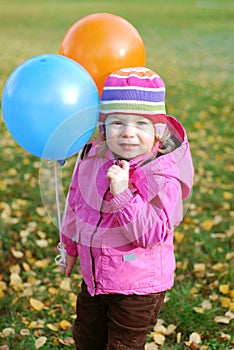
(136, 90)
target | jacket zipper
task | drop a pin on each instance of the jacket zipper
(91, 239)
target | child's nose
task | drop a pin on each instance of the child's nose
(128, 130)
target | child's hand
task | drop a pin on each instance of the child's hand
(70, 262)
(119, 177)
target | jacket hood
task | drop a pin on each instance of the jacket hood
(150, 168)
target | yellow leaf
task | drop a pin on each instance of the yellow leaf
(17, 254)
(224, 288)
(66, 341)
(195, 338)
(159, 338)
(25, 332)
(199, 267)
(193, 290)
(40, 342)
(225, 336)
(52, 327)
(207, 225)
(222, 319)
(42, 243)
(66, 284)
(159, 328)
(214, 297)
(16, 281)
(229, 256)
(225, 302)
(206, 305)
(219, 267)
(41, 211)
(170, 329)
(198, 310)
(8, 331)
(231, 306)
(3, 285)
(65, 325)
(227, 195)
(52, 291)
(37, 324)
(26, 266)
(15, 269)
(151, 346)
(198, 125)
(179, 237)
(230, 315)
(36, 304)
(178, 337)
(41, 263)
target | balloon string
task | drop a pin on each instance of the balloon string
(61, 258)
(57, 196)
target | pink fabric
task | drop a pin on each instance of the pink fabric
(125, 243)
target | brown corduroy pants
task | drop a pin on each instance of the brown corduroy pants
(115, 321)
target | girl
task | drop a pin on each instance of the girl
(125, 198)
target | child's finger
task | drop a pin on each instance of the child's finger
(125, 165)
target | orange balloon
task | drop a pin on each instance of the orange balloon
(103, 43)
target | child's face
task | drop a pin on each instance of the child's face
(129, 136)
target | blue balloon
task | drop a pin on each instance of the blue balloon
(50, 105)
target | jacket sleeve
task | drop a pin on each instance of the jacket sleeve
(68, 227)
(147, 223)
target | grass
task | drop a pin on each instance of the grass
(190, 43)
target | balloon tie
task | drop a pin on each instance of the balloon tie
(61, 258)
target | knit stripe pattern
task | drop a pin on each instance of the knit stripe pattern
(133, 91)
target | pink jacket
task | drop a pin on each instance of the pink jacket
(125, 243)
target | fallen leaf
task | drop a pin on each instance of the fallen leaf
(179, 237)
(225, 302)
(199, 267)
(171, 329)
(42, 263)
(178, 337)
(66, 341)
(222, 319)
(17, 253)
(16, 281)
(36, 304)
(4, 347)
(159, 328)
(41, 211)
(151, 346)
(8, 331)
(37, 324)
(66, 284)
(206, 304)
(52, 327)
(207, 225)
(40, 342)
(25, 332)
(65, 325)
(230, 315)
(224, 288)
(52, 291)
(159, 338)
(198, 310)
(224, 336)
(195, 338)
(42, 243)
(227, 195)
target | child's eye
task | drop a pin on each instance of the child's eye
(116, 122)
(142, 122)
